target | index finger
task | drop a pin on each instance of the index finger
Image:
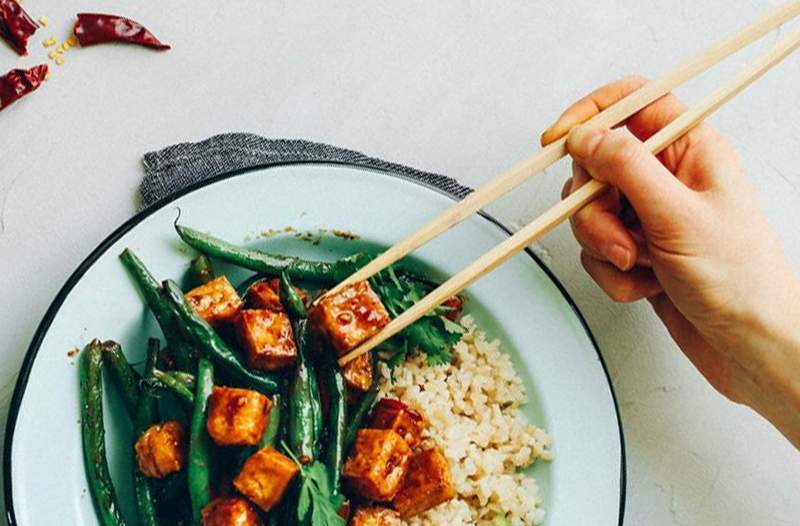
(591, 105)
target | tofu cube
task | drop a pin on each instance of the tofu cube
(237, 417)
(349, 317)
(428, 483)
(161, 450)
(216, 301)
(376, 516)
(230, 511)
(265, 476)
(358, 373)
(266, 335)
(377, 464)
(400, 418)
(266, 295)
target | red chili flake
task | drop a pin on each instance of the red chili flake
(19, 82)
(16, 27)
(93, 28)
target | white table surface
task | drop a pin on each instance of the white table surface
(458, 87)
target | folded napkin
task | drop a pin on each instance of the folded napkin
(175, 167)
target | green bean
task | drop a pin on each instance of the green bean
(201, 270)
(290, 299)
(93, 436)
(302, 412)
(270, 264)
(171, 487)
(172, 383)
(183, 377)
(146, 415)
(199, 469)
(362, 410)
(124, 376)
(337, 424)
(148, 287)
(214, 347)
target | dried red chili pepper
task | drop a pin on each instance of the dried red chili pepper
(16, 27)
(94, 28)
(19, 82)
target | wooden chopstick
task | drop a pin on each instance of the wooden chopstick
(575, 201)
(611, 116)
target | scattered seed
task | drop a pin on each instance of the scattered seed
(44, 21)
(49, 42)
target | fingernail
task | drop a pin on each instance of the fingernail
(619, 256)
(583, 141)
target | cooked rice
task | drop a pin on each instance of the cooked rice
(472, 407)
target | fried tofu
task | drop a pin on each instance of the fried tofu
(358, 373)
(266, 335)
(266, 295)
(377, 464)
(400, 418)
(265, 476)
(375, 516)
(428, 483)
(231, 511)
(349, 317)
(161, 450)
(237, 417)
(216, 301)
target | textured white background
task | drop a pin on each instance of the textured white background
(462, 88)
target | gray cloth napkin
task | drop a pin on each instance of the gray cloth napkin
(176, 167)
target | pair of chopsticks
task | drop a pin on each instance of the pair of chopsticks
(548, 155)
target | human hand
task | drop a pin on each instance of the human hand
(684, 229)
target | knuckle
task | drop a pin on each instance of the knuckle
(620, 151)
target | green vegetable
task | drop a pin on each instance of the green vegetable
(146, 415)
(303, 392)
(433, 334)
(125, 378)
(199, 468)
(244, 287)
(317, 504)
(201, 270)
(214, 347)
(337, 424)
(290, 299)
(93, 436)
(163, 312)
(174, 384)
(269, 264)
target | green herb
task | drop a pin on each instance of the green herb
(433, 334)
(316, 503)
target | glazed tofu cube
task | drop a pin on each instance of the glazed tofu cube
(358, 373)
(349, 317)
(237, 417)
(427, 484)
(266, 295)
(266, 335)
(216, 301)
(265, 477)
(376, 516)
(231, 511)
(400, 418)
(161, 450)
(377, 464)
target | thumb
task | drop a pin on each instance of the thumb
(621, 160)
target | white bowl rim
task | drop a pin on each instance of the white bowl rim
(130, 224)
